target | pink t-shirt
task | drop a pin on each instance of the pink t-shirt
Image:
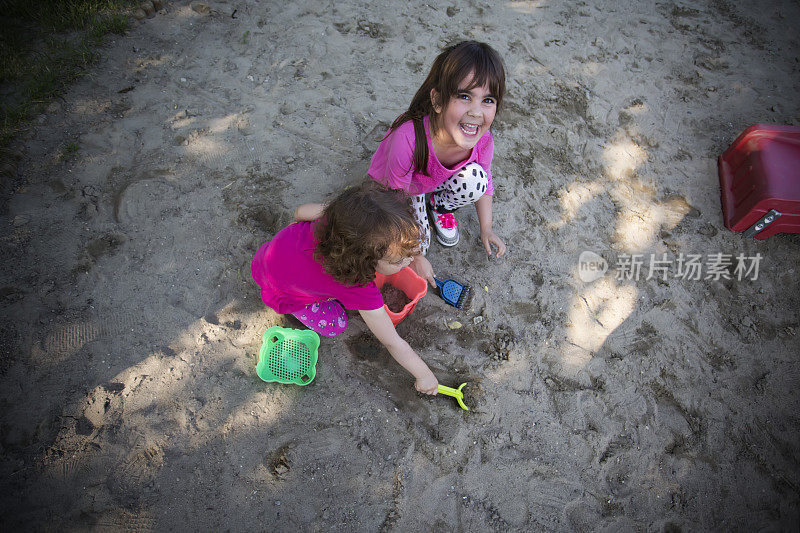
(392, 165)
(290, 278)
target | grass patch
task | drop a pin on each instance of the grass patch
(68, 151)
(45, 45)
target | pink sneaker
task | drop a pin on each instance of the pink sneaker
(445, 225)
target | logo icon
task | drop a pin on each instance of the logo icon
(591, 266)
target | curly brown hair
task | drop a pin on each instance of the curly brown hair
(361, 226)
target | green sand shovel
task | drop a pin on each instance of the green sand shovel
(455, 393)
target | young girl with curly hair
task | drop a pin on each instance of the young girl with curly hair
(442, 146)
(326, 262)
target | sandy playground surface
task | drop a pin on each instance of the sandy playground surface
(130, 323)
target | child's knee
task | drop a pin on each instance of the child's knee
(476, 176)
(467, 185)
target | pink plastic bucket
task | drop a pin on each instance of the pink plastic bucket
(410, 283)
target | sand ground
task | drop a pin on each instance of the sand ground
(130, 324)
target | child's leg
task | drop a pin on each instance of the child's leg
(326, 318)
(421, 215)
(462, 188)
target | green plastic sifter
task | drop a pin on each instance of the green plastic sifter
(288, 356)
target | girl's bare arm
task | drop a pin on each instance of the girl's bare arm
(308, 212)
(488, 237)
(381, 325)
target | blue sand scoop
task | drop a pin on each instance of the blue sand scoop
(453, 292)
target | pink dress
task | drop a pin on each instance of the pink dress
(290, 279)
(392, 165)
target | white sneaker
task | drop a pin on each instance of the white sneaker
(445, 226)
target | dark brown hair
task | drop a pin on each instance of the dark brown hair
(359, 227)
(449, 68)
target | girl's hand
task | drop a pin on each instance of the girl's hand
(423, 268)
(488, 238)
(427, 385)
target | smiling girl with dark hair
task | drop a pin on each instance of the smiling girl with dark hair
(442, 145)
